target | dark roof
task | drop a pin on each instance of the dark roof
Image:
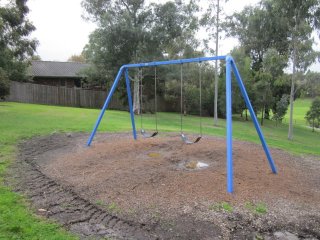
(56, 69)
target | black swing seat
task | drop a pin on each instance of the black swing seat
(187, 141)
(147, 135)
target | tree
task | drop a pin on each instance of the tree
(274, 62)
(243, 62)
(301, 17)
(212, 21)
(119, 39)
(280, 87)
(216, 77)
(4, 84)
(258, 29)
(312, 86)
(281, 108)
(35, 58)
(267, 47)
(77, 58)
(15, 45)
(273, 65)
(285, 25)
(313, 115)
(263, 92)
(132, 31)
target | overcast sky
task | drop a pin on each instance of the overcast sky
(62, 32)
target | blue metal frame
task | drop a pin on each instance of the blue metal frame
(253, 116)
(230, 67)
(134, 132)
(229, 124)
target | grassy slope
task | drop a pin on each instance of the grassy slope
(16, 221)
(301, 106)
(18, 121)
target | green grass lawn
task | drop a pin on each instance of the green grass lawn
(20, 121)
(301, 106)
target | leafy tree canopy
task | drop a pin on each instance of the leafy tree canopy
(281, 108)
(4, 84)
(133, 31)
(77, 58)
(259, 28)
(312, 86)
(313, 115)
(15, 44)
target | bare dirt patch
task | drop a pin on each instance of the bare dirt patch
(153, 189)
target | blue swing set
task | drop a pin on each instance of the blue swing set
(230, 67)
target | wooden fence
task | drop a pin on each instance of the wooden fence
(51, 95)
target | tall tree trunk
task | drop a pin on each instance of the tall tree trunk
(267, 113)
(290, 131)
(216, 77)
(312, 125)
(262, 117)
(136, 95)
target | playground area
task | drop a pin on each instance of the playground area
(164, 185)
(168, 189)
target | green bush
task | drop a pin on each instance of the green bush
(4, 84)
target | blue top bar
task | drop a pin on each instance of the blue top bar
(171, 62)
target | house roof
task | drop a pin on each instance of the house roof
(56, 69)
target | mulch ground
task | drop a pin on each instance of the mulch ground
(149, 184)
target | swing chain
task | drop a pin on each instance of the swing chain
(155, 97)
(184, 137)
(143, 132)
(140, 104)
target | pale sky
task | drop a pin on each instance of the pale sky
(62, 32)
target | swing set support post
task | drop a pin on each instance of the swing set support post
(253, 117)
(229, 125)
(134, 132)
(105, 105)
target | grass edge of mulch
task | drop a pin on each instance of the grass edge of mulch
(18, 219)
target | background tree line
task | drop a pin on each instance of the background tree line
(273, 56)
(15, 45)
(274, 35)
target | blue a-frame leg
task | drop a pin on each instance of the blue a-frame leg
(253, 116)
(134, 132)
(229, 125)
(105, 105)
(230, 67)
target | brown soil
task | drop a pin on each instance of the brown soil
(149, 182)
